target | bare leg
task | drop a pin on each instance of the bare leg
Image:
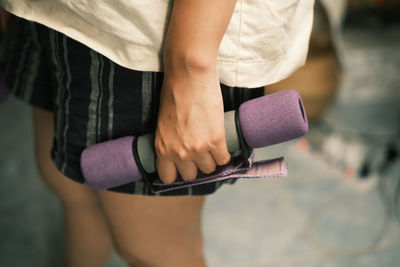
(155, 231)
(87, 238)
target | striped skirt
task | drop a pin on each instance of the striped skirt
(92, 98)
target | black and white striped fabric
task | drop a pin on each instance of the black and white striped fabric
(93, 99)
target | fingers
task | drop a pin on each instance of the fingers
(220, 153)
(187, 161)
(205, 162)
(187, 170)
(169, 162)
(202, 161)
(166, 169)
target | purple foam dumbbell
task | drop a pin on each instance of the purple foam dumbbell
(263, 121)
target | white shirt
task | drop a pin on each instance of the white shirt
(266, 40)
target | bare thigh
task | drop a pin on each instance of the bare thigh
(147, 230)
(86, 236)
(70, 192)
(155, 231)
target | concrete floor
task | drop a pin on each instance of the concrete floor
(314, 217)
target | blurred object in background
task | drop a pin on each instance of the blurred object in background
(3, 89)
(318, 79)
(5, 19)
(372, 13)
(355, 155)
(360, 4)
(360, 134)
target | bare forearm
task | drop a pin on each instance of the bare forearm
(195, 32)
(190, 131)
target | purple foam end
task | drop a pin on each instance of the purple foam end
(110, 164)
(273, 119)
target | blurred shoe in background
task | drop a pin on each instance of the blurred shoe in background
(355, 155)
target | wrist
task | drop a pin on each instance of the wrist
(189, 60)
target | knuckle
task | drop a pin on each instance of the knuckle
(160, 148)
(161, 151)
(216, 140)
(182, 155)
(198, 147)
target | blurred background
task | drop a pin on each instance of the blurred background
(339, 205)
